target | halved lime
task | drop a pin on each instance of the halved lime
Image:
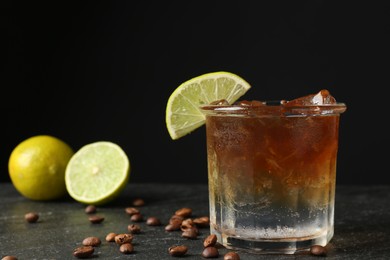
(183, 114)
(97, 173)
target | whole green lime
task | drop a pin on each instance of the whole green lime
(37, 167)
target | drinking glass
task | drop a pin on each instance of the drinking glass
(272, 172)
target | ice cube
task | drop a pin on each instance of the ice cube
(246, 103)
(321, 98)
(221, 102)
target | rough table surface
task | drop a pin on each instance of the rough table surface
(362, 224)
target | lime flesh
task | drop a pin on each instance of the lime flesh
(97, 173)
(183, 114)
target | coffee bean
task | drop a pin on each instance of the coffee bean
(174, 223)
(137, 217)
(123, 238)
(92, 241)
(175, 219)
(96, 219)
(111, 237)
(126, 248)
(318, 250)
(31, 217)
(210, 252)
(178, 250)
(211, 240)
(131, 211)
(172, 227)
(231, 256)
(153, 221)
(83, 252)
(90, 209)
(202, 221)
(187, 224)
(191, 233)
(134, 229)
(184, 212)
(9, 257)
(138, 202)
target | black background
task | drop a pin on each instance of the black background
(88, 71)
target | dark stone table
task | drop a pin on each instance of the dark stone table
(362, 224)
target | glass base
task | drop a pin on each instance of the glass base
(273, 246)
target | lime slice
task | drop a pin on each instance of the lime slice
(183, 114)
(97, 173)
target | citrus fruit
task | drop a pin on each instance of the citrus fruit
(183, 114)
(37, 167)
(97, 173)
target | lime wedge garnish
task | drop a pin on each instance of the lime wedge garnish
(183, 114)
(97, 173)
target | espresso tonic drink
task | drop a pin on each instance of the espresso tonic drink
(272, 172)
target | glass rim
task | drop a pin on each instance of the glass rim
(273, 109)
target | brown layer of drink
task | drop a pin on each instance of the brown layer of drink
(294, 155)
